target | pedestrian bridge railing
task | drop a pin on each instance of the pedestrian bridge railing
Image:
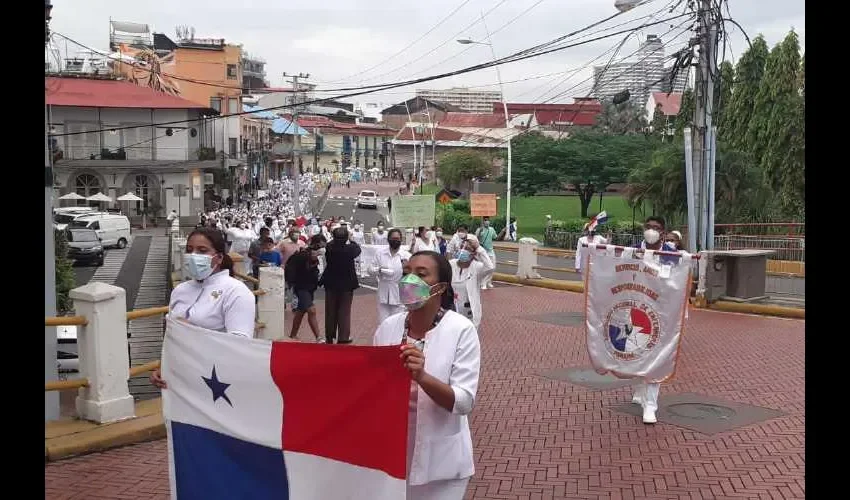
(103, 345)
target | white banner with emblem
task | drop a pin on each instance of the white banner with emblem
(635, 307)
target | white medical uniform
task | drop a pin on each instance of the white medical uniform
(389, 269)
(454, 244)
(466, 283)
(219, 303)
(242, 239)
(420, 245)
(360, 239)
(580, 250)
(439, 443)
(379, 238)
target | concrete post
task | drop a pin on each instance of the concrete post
(104, 360)
(270, 306)
(527, 260)
(178, 247)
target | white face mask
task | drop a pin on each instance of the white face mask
(439, 234)
(651, 236)
(198, 266)
(430, 235)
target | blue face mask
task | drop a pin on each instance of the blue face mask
(463, 256)
(198, 266)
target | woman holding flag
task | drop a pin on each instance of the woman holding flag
(444, 384)
(590, 238)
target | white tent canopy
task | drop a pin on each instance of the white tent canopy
(129, 197)
(99, 197)
(72, 196)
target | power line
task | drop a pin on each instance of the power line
(411, 44)
(371, 89)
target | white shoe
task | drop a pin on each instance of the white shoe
(649, 416)
(491, 286)
(320, 340)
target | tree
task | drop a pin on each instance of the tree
(748, 76)
(776, 134)
(723, 93)
(64, 273)
(460, 167)
(619, 119)
(151, 73)
(587, 162)
(685, 118)
(659, 123)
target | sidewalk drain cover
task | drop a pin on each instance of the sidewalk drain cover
(559, 318)
(704, 414)
(586, 377)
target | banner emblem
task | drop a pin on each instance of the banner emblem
(633, 330)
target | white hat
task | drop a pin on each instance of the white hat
(678, 234)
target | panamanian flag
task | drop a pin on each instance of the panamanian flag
(255, 419)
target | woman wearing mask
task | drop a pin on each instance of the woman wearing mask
(457, 240)
(213, 298)
(441, 242)
(469, 265)
(422, 242)
(388, 267)
(379, 237)
(674, 239)
(440, 349)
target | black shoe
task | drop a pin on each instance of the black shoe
(344, 341)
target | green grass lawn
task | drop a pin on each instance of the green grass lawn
(531, 211)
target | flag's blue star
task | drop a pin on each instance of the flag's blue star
(217, 387)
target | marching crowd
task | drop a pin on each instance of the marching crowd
(429, 292)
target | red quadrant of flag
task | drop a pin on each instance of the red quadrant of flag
(346, 403)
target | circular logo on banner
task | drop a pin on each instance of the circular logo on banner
(633, 330)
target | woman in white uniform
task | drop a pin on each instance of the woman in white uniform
(422, 241)
(440, 349)
(388, 267)
(212, 299)
(242, 236)
(469, 265)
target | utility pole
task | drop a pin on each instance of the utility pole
(703, 130)
(296, 143)
(51, 372)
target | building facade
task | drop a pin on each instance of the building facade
(416, 110)
(469, 100)
(642, 76)
(170, 167)
(333, 146)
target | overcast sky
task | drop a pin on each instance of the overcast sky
(336, 41)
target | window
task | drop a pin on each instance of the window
(232, 72)
(234, 150)
(87, 185)
(215, 103)
(141, 185)
(233, 105)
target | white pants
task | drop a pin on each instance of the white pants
(449, 489)
(387, 310)
(648, 394)
(487, 277)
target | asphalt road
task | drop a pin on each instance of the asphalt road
(347, 208)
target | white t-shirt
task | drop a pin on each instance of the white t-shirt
(219, 303)
(597, 240)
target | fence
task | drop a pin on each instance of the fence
(102, 322)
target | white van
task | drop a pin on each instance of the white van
(63, 216)
(113, 230)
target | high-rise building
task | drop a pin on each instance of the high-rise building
(472, 101)
(640, 77)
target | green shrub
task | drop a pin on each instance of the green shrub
(64, 273)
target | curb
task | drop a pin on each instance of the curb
(720, 306)
(70, 438)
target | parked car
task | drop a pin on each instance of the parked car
(84, 245)
(63, 216)
(113, 230)
(367, 199)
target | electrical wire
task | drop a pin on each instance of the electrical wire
(370, 89)
(411, 44)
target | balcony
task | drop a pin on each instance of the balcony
(206, 153)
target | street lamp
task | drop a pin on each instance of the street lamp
(489, 43)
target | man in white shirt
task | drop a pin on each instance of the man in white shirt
(589, 238)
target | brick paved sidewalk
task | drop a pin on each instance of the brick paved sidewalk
(536, 438)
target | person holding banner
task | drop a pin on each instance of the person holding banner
(468, 267)
(646, 394)
(444, 383)
(388, 267)
(213, 298)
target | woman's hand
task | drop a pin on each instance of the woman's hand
(156, 379)
(414, 361)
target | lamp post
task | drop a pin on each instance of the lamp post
(489, 43)
(51, 399)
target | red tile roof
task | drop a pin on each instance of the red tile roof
(583, 112)
(476, 120)
(440, 134)
(670, 103)
(91, 93)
